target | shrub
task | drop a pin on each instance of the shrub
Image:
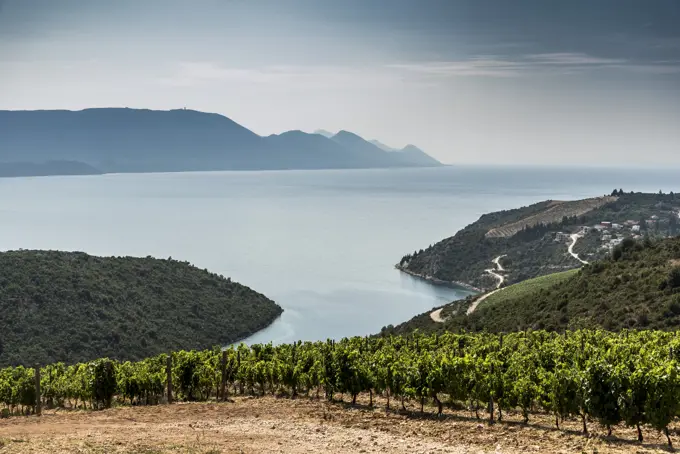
(102, 382)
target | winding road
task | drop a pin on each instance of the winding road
(574, 239)
(436, 315)
(497, 261)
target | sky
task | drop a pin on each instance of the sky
(579, 82)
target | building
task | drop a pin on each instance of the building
(655, 218)
(617, 226)
(631, 223)
(613, 243)
(606, 224)
(635, 229)
(606, 238)
(650, 222)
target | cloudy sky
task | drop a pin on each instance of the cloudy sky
(591, 82)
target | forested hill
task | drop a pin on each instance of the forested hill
(70, 306)
(636, 287)
(527, 238)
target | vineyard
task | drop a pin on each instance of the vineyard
(594, 376)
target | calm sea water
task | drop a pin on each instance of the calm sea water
(322, 244)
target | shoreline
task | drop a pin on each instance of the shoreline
(435, 281)
(240, 340)
(243, 169)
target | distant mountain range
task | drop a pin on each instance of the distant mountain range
(92, 141)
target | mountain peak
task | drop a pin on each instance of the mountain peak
(343, 134)
(411, 147)
(323, 132)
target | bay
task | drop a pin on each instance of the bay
(322, 244)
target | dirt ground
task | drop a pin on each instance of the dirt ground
(272, 425)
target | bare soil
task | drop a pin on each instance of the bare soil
(303, 425)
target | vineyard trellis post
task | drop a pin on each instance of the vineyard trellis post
(38, 406)
(168, 368)
(223, 383)
(491, 409)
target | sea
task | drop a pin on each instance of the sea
(322, 243)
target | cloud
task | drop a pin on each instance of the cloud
(561, 63)
(187, 74)
(478, 66)
(278, 77)
(572, 59)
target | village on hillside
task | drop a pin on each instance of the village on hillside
(604, 236)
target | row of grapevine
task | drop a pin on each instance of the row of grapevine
(612, 378)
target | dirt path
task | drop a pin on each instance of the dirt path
(476, 302)
(497, 261)
(500, 278)
(282, 425)
(436, 316)
(574, 239)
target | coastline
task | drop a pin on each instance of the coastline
(435, 281)
(239, 340)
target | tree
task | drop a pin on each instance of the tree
(672, 224)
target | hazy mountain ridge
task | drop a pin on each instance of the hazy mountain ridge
(382, 146)
(142, 140)
(26, 169)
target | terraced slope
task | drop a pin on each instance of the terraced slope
(553, 213)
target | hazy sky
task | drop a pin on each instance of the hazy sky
(532, 81)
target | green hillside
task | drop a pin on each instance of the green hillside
(528, 238)
(525, 289)
(638, 286)
(70, 306)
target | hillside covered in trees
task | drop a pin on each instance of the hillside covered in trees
(70, 306)
(528, 240)
(636, 287)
